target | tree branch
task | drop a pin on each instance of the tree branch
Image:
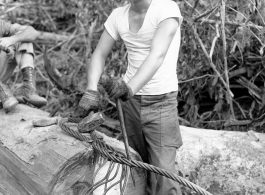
(209, 21)
(210, 61)
(215, 39)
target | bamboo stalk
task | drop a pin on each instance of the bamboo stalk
(222, 14)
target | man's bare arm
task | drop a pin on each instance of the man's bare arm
(96, 65)
(24, 34)
(162, 39)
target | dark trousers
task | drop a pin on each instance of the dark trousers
(153, 131)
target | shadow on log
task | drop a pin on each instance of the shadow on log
(44, 160)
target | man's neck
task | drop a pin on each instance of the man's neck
(140, 6)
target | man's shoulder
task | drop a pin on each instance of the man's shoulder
(166, 8)
(120, 10)
(165, 3)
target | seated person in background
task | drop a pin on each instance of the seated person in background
(17, 39)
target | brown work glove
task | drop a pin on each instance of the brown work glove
(117, 88)
(90, 100)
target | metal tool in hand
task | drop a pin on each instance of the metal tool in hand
(124, 133)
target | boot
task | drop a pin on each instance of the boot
(7, 98)
(27, 92)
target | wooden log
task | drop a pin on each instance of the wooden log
(44, 160)
(223, 162)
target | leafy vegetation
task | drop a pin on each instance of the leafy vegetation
(220, 69)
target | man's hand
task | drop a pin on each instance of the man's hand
(10, 51)
(7, 41)
(90, 100)
(117, 88)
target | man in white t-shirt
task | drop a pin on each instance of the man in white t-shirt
(150, 30)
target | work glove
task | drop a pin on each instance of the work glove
(117, 88)
(89, 101)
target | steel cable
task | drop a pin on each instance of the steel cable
(118, 157)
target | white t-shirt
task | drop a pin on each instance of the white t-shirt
(138, 44)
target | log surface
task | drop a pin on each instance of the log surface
(223, 162)
(45, 160)
(38, 160)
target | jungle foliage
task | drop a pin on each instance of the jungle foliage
(221, 60)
